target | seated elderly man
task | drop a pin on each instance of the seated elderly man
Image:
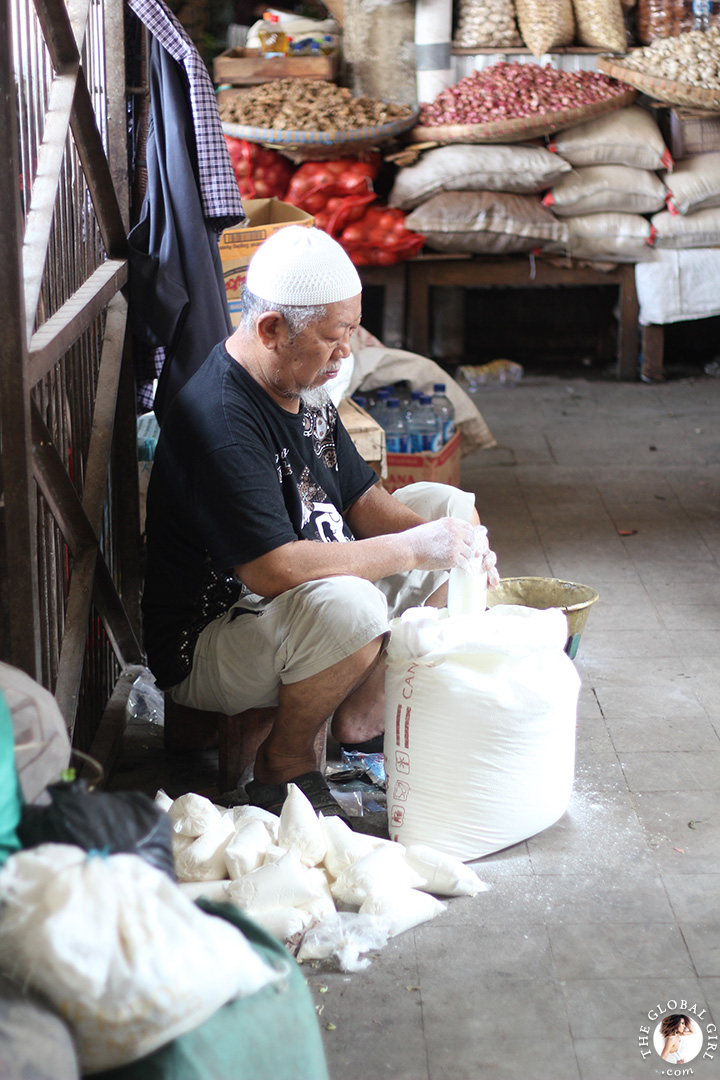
(274, 556)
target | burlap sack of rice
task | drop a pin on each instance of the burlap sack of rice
(609, 237)
(545, 24)
(487, 22)
(628, 136)
(486, 223)
(694, 184)
(599, 189)
(698, 230)
(459, 167)
(600, 24)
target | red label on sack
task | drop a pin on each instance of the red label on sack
(653, 234)
(548, 200)
(667, 160)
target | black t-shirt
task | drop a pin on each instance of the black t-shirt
(235, 476)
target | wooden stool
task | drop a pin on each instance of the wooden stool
(237, 738)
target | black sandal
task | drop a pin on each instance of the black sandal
(312, 784)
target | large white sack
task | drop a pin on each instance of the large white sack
(479, 729)
(128, 960)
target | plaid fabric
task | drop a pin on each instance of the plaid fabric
(148, 366)
(218, 187)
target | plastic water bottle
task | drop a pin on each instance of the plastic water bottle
(426, 425)
(410, 412)
(445, 411)
(701, 11)
(361, 401)
(379, 407)
(396, 439)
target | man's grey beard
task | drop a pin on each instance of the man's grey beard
(314, 397)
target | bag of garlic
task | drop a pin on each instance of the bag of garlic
(486, 22)
(479, 728)
(600, 24)
(545, 24)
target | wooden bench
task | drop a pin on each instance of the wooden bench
(236, 737)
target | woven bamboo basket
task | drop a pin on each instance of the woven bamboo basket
(322, 145)
(668, 90)
(521, 129)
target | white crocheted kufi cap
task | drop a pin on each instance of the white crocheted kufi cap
(302, 267)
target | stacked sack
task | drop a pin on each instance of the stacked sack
(482, 199)
(692, 217)
(614, 184)
(310, 879)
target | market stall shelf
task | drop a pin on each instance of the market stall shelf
(670, 90)
(522, 128)
(479, 272)
(248, 67)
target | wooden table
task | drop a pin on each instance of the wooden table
(519, 271)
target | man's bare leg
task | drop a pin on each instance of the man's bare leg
(303, 708)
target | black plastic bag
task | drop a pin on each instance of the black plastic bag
(109, 821)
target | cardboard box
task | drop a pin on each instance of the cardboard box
(238, 245)
(441, 468)
(248, 67)
(366, 433)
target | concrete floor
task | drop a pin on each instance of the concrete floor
(615, 909)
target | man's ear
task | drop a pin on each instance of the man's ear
(271, 328)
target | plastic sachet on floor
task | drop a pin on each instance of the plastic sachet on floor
(192, 815)
(383, 870)
(128, 960)
(300, 829)
(446, 875)
(285, 883)
(145, 701)
(371, 767)
(203, 859)
(403, 908)
(345, 936)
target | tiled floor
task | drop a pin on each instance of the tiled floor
(615, 910)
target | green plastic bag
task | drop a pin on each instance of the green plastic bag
(10, 796)
(272, 1035)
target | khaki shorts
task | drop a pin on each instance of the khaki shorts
(242, 657)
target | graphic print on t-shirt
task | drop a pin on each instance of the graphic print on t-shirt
(319, 511)
(317, 426)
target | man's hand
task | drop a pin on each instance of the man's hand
(481, 550)
(442, 544)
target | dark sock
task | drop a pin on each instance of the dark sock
(370, 746)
